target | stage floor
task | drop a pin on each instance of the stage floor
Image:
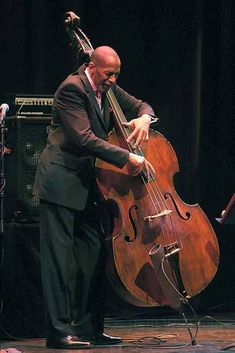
(212, 334)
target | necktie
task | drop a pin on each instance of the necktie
(98, 97)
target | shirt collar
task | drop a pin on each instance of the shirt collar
(90, 80)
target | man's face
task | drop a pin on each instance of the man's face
(104, 75)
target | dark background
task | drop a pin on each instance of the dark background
(176, 54)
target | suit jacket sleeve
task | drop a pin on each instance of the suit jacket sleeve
(81, 126)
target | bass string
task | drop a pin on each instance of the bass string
(118, 113)
(155, 193)
(152, 188)
(120, 118)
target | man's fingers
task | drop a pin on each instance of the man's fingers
(130, 137)
(141, 137)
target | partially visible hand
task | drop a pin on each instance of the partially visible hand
(140, 130)
(137, 164)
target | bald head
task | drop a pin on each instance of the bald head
(105, 55)
(104, 68)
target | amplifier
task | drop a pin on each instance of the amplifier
(25, 105)
(26, 139)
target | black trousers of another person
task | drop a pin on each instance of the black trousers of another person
(73, 270)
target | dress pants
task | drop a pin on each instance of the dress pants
(73, 269)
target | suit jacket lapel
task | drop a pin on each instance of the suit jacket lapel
(91, 94)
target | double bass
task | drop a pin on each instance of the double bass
(160, 249)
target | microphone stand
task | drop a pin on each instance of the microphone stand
(2, 186)
(2, 175)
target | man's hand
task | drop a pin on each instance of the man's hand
(137, 164)
(140, 130)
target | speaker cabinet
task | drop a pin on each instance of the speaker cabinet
(26, 138)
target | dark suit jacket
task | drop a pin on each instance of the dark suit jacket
(78, 136)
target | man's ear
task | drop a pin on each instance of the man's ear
(91, 67)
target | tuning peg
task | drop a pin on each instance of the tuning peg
(72, 20)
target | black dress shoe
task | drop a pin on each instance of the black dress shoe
(103, 339)
(68, 342)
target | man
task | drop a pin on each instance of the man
(72, 249)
